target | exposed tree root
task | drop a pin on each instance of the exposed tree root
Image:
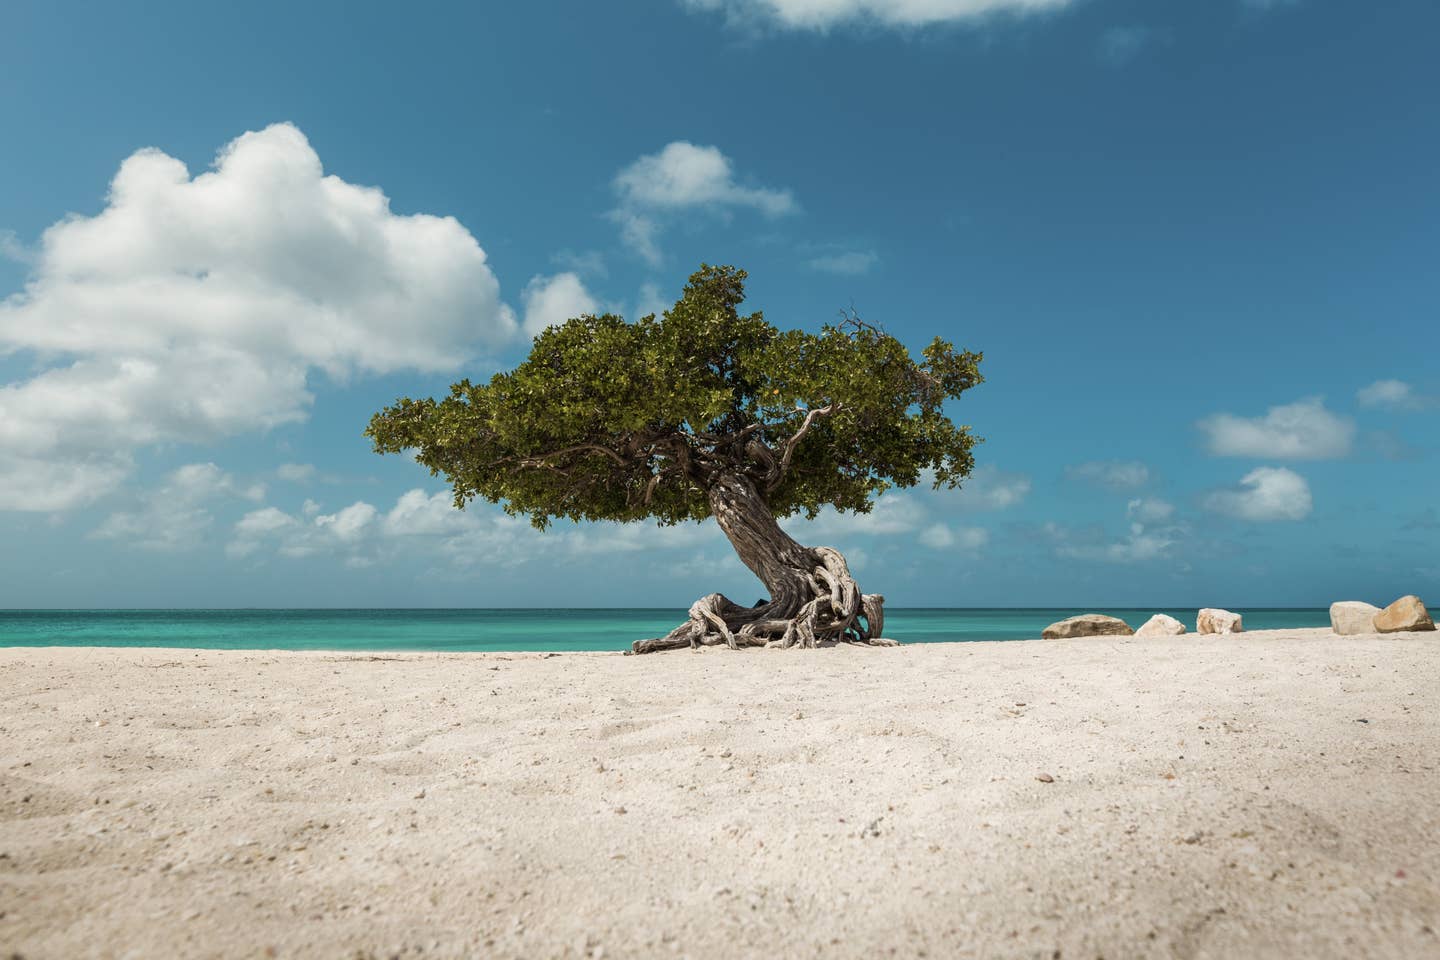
(827, 608)
(813, 599)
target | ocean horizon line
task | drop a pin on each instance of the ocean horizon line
(520, 628)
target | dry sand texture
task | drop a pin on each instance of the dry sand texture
(1269, 794)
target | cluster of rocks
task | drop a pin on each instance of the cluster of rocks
(1346, 617)
(1355, 616)
(1210, 620)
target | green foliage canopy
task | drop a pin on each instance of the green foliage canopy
(609, 420)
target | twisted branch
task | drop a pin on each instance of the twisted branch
(788, 450)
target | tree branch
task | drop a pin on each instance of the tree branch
(734, 437)
(787, 451)
(579, 448)
(655, 481)
(684, 456)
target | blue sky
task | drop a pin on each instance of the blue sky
(1195, 241)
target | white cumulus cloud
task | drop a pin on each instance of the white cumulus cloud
(350, 524)
(1265, 493)
(195, 307)
(824, 14)
(341, 532)
(683, 177)
(555, 299)
(420, 514)
(1303, 430)
(264, 521)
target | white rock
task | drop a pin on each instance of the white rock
(1161, 625)
(1087, 625)
(1212, 620)
(1353, 616)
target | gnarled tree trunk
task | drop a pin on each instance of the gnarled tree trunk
(813, 598)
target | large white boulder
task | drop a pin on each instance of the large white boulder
(1161, 625)
(1353, 616)
(1213, 620)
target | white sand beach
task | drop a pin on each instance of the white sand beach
(1270, 794)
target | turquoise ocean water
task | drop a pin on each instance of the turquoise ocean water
(506, 629)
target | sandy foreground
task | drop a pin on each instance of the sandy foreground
(1270, 794)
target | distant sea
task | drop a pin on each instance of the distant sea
(509, 629)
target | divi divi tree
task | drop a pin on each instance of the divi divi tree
(705, 412)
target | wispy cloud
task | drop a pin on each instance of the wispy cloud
(12, 249)
(825, 14)
(650, 300)
(1120, 45)
(1266, 6)
(1392, 395)
(1428, 519)
(1149, 510)
(896, 515)
(852, 263)
(296, 472)
(590, 263)
(944, 536)
(1152, 534)
(988, 488)
(1117, 475)
(893, 513)
(176, 515)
